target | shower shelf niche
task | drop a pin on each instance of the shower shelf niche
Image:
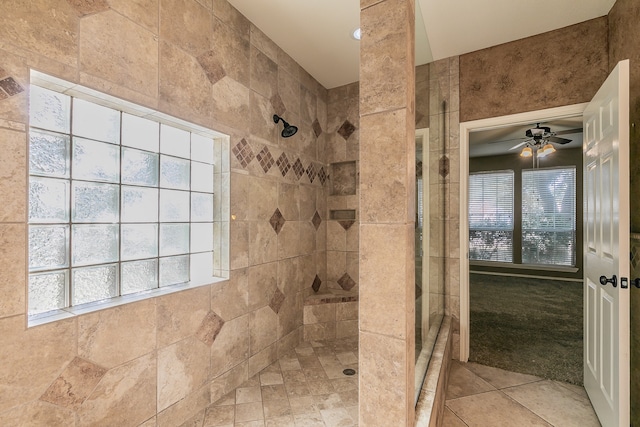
(342, 214)
(344, 178)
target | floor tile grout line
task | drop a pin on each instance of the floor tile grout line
(521, 385)
(526, 408)
(471, 395)
(455, 414)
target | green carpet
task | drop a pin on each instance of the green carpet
(531, 326)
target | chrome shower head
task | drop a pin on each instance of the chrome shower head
(288, 130)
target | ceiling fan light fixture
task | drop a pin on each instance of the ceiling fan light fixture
(548, 149)
(526, 152)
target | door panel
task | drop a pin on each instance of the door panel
(590, 332)
(606, 241)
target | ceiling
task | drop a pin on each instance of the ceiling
(508, 139)
(317, 33)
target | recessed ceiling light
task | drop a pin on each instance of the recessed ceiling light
(356, 34)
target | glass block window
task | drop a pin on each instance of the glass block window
(491, 216)
(119, 204)
(549, 216)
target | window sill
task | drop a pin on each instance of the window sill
(70, 312)
(524, 266)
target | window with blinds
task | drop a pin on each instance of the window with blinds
(491, 216)
(549, 216)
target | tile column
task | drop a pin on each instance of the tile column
(387, 213)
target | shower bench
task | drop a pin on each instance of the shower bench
(329, 315)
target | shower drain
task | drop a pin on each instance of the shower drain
(349, 371)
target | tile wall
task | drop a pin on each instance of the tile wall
(387, 212)
(342, 152)
(159, 361)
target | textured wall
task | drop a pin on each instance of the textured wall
(157, 361)
(624, 39)
(556, 68)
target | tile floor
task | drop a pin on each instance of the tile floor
(482, 396)
(305, 388)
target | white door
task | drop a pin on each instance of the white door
(606, 249)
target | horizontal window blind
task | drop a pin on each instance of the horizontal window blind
(491, 216)
(549, 216)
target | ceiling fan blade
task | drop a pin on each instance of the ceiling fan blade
(508, 140)
(518, 145)
(568, 131)
(559, 140)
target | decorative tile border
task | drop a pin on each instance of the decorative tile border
(290, 166)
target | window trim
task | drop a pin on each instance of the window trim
(221, 194)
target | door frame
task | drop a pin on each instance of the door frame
(477, 125)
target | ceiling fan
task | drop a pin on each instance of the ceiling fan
(540, 135)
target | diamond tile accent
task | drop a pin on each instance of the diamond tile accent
(277, 104)
(418, 291)
(298, 168)
(11, 86)
(346, 224)
(316, 284)
(74, 384)
(243, 152)
(317, 129)
(311, 172)
(316, 220)
(276, 300)
(211, 66)
(322, 175)
(277, 221)
(266, 159)
(346, 129)
(444, 166)
(346, 282)
(283, 164)
(209, 328)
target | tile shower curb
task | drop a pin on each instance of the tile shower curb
(430, 406)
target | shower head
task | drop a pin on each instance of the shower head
(288, 130)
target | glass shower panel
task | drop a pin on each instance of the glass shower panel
(429, 261)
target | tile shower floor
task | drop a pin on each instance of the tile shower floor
(305, 387)
(479, 395)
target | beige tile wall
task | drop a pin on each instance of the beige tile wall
(343, 147)
(387, 212)
(162, 359)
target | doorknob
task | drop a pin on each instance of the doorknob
(636, 282)
(613, 280)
